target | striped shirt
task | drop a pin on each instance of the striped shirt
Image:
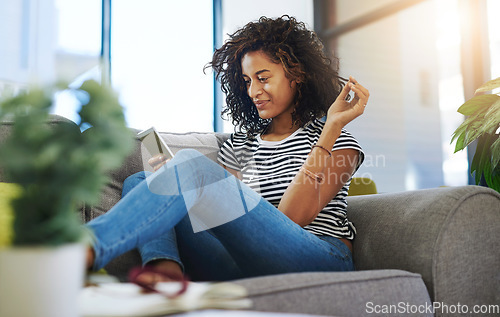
(268, 167)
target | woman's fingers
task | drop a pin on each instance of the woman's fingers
(158, 158)
(361, 92)
(344, 92)
(360, 87)
(158, 161)
(360, 96)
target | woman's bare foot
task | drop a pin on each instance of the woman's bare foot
(164, 271)
(90, 257)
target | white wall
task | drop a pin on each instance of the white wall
(396, 59)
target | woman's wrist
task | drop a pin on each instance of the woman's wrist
(334, 123)
(331, 131)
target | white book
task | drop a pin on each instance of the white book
(154, 143)
(127, 299)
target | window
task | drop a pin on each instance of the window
(45, 41)
(77, 49)
(158, 52)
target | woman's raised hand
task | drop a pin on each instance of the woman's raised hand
(344, 111)
(158, 161)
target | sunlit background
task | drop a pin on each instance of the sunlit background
(412, 60)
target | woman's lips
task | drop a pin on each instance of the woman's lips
(261, 103)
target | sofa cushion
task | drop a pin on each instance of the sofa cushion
(360, 293)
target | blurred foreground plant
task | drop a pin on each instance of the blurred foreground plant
(57, 166)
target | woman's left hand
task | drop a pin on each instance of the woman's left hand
(343, 111)
(158, 161)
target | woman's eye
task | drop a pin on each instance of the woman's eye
(247, 82)
(263, 79)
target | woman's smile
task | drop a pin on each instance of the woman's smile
(260, 104)
(267, 84)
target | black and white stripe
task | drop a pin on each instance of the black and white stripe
(268, 168)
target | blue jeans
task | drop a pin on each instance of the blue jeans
(194, 212)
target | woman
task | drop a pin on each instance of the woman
(278, 204)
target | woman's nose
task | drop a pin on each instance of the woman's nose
(254, 90)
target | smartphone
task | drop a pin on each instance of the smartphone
(153, 143)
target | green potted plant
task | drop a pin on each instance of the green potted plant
(56, 169)
(482, 123)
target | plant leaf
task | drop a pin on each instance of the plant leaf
(495, 152)
(495, 179)
(471, 131)
(489, 85)
(492, 118)
(477, 104)
(476, 164)
(481, 163)
(460, 142)
(457, 134)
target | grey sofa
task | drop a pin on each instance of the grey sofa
(422, 253)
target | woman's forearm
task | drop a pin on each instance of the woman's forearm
(313, 186)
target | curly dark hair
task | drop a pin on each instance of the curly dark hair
(301, 53)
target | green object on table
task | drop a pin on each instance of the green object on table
(8, 192)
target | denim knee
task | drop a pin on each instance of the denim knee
(133, 180)
(136, 178)
(187, 154)
(191, 160)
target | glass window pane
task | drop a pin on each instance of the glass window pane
(79, 26)
(77, 47)
(159, 49)
(413, 72)
(45, 41)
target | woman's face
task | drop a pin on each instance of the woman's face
(271, 91)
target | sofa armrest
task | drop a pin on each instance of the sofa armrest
(448, 235)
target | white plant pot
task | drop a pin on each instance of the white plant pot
(41, 281)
